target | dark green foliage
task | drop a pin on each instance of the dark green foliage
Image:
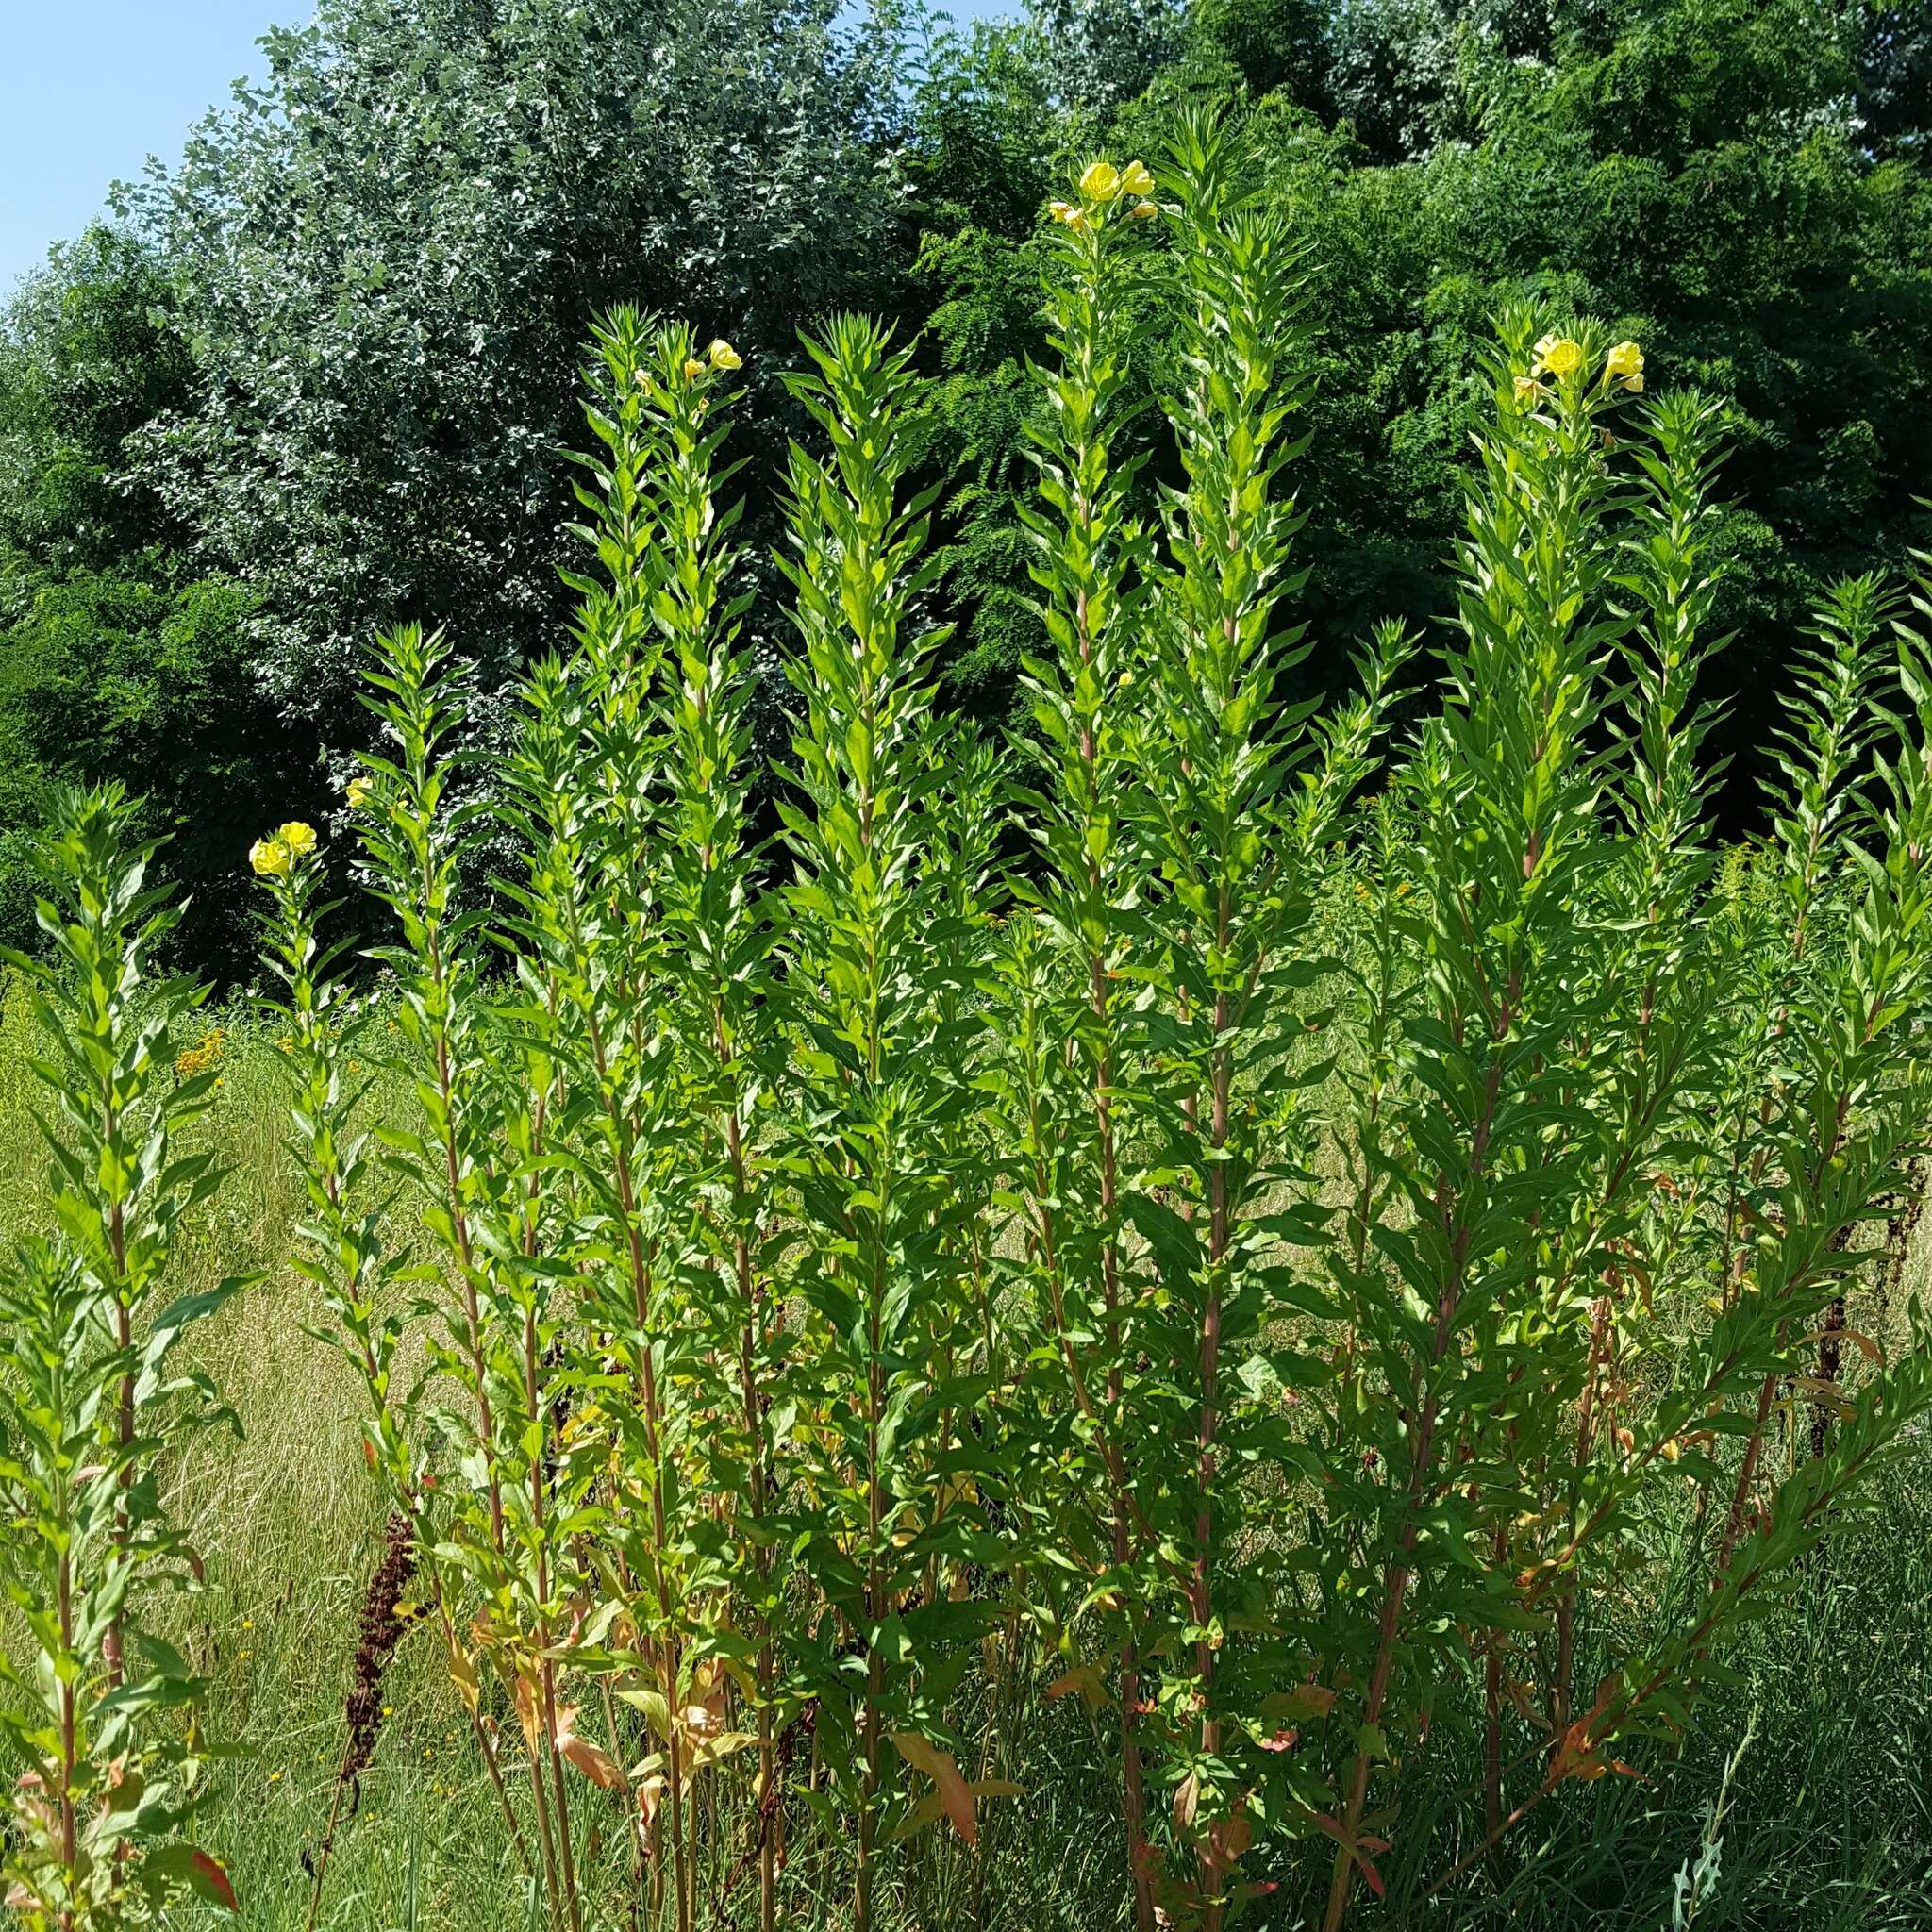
(87, 356)
(116, 662)
(1695, 170)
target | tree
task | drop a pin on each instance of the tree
(1693, 169)
(116, 662)
(388, 254)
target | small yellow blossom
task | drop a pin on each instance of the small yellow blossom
(1528, 389)
(1624, 364)
(360, 792)
(692, 368)
(1100, 182)
(1142, 211)
(270, 857)
(1065, 212)
(298, 838)
(1558, 356)
(723, 354)
(1136, 179)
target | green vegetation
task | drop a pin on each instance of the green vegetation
(1304, 1291)
(1073, 1073)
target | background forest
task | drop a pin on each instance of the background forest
(323, 375)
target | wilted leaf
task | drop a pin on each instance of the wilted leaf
(955, 1796)
(592, 1759)
(1085, 1679)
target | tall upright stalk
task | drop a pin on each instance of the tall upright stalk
(868, 1074)
(1087, 545)
(91, 1406)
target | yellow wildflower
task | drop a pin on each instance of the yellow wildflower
(1624, 364)
(298, 838)
(1100, 182)
(360, 792)
(198, 1059)
(1142, 211)
(1558, 356)
(1065, 212)
(1528, 389)
(270, 857)
(1137, 180)
(723, 354)
(692, 368)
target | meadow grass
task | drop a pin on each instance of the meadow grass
(1828, 1822)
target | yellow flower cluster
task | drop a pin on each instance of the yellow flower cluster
(1625, 365)
(274, 856)
(199, 1057)
(1564, 357)
(1101, 185)
(360, 791)
(719, 355)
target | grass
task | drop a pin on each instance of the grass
(1830, 1822)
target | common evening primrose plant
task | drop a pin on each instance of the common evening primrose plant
(1250, 1218)
(97, 1709)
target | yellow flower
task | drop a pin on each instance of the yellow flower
(360, 791)
(692, 368)
(298, 838)
(1065, 212)
(1137, 180)
(1559, 355)
(270, 857)
(1634, 384)
(1624, 364)
(1528, 389)
(1142, 211)
(1100, 182)
(723, 354)
(195, 1060)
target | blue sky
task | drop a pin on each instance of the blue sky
(88, 88)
